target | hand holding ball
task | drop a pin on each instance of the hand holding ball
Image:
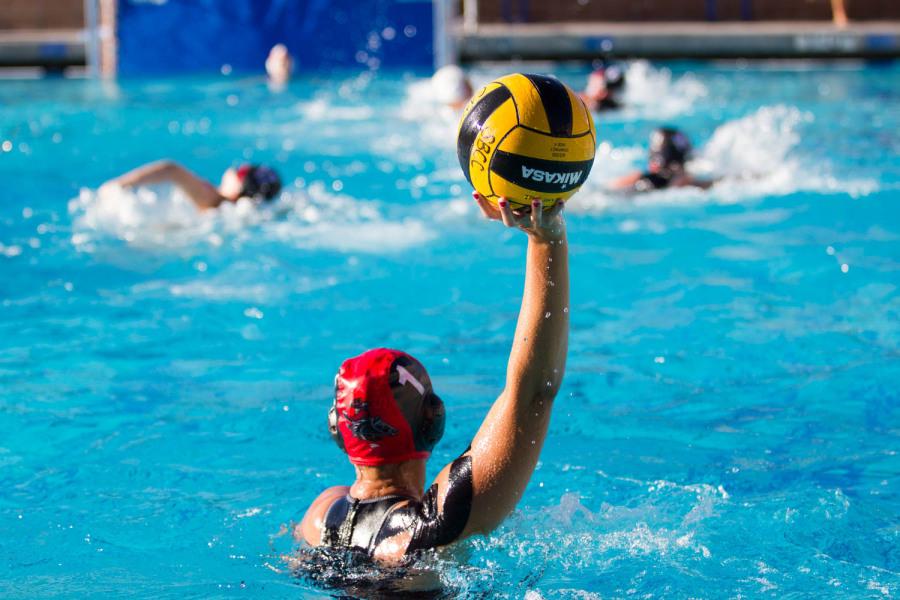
(526, 137)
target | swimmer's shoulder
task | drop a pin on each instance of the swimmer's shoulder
(310, 528)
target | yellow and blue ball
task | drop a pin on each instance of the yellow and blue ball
(524, 137)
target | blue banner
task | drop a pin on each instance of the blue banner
(184, 36)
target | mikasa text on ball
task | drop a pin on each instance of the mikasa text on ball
(525, 137)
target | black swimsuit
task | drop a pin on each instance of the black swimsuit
(352, 523)
(363, 524)
(651, 181)
(607, 104)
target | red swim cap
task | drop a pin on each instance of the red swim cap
(384, 409)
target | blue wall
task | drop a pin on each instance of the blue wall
(177, 36)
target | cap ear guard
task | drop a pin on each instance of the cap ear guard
(333, 417)
(433, 419)
(333, 428)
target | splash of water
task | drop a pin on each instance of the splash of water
(754, 156)
(656, 92)
(162, 219)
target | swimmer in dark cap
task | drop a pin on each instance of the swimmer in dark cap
(604, 89)
(387, 418)
(257, 182)
(670, 149)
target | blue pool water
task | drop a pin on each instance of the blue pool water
(728, 426)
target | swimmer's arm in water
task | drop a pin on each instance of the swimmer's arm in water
(200, 191)
(690, 181)
(478, 490)
(626, 182)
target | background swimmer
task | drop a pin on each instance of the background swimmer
(451, 87)
(257, 182)
(669, 151)
(605, 86)
(279, 65)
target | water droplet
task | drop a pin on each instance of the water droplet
(566, 309)
(829, 250)
(845, 267)
(659, 360)
(253, 313)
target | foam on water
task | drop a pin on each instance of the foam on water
(656, 93)
(435, 123)
(758, 155)
(324, 109)
(162, 219)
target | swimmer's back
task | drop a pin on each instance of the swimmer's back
(391, 527)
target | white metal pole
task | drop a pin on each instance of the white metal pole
(445, 43)
(91, 37)
(470, 15)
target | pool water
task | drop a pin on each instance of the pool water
(728, 425)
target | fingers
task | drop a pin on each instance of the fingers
(506, 213)
(487, 209)
(537, 213)
(556, 210)
(533, 219)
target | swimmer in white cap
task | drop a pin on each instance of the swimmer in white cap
(257, 182)
(451, 87)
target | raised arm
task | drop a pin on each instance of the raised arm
(506, 448)
(200, 191)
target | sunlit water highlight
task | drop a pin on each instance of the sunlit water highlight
(727, 427)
